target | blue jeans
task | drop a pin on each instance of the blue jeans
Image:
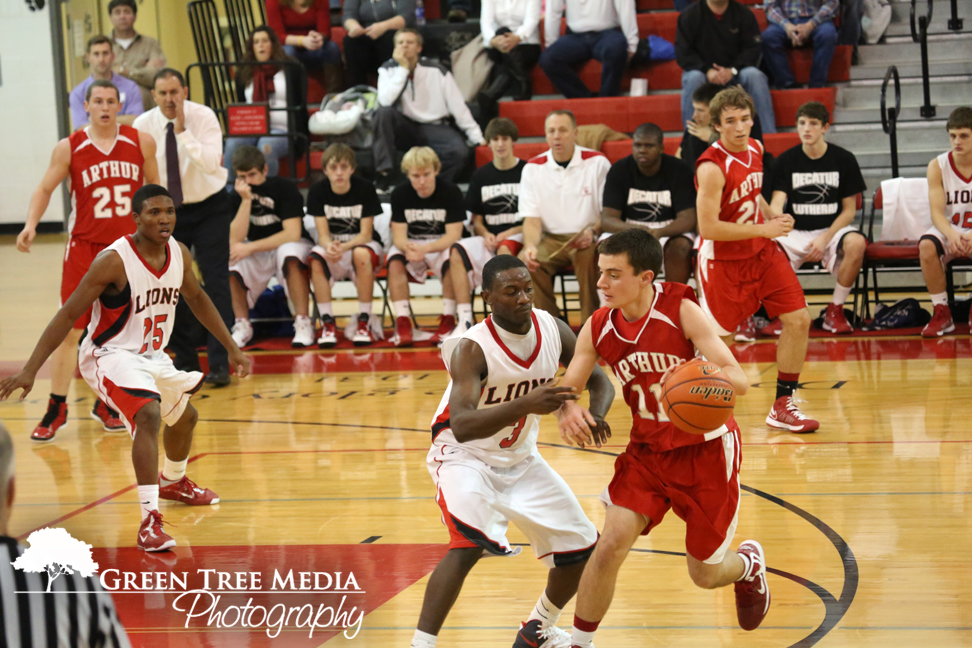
(775, 42)
(272, 147)
(751, 79)
(682, 5)
(609, 47)
(328, 54)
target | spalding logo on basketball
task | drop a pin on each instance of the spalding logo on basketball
(698, 397)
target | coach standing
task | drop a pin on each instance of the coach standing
(77, 613)
(560, 202)
(189, 150)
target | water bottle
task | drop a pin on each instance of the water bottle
(419, 13)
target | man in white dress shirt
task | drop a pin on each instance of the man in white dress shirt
(419, 104)
(189, 150)
(561, 193)
(605, 30)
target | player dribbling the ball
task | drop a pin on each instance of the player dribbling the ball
(645, 329)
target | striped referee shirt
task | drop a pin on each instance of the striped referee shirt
(77, 613)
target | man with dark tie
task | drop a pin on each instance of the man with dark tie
(189, 151)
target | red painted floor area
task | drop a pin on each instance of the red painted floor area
(380, 572)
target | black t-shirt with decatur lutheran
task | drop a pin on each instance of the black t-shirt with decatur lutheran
(496, 195)
(274, 201)
(815, 188)
(344, 211)
(653, 199)
(427, 217)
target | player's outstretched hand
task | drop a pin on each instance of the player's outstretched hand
(25, 238)
(576, 424)
(601, 431)
(239, 362)
(548, 398)
(9, 385)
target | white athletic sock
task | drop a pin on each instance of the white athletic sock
(401, 308)
(581, 639)
(173, 471)
(465, 312)
(325, 308)
(940, 299)
(423, 640)
(449, 307)
(364, 307)
(841, 293)
(148, 499)
(545, 611)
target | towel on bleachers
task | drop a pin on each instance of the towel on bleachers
(593, 136)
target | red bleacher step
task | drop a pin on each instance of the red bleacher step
(624, 114)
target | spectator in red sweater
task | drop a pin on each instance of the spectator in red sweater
(304, 28)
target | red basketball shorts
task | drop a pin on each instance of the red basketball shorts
(730, 291)
(699, 482)
(78, 257)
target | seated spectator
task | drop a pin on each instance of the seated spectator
(605, 30)
(281, 87)
(427, 217)
(137, 57)
(303, 27)
(344, 207)
(371, 30)
(267, 239)
(654, 191)
(699, 134)
(417, 99)
(511, 34)
(797, 23)
(493, 199)
(560, 202)
(818, 184)
(100, 58)
(950, 200)
(719, 41)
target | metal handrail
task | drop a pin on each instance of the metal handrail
(955, 23)
(920, 35)
(889, 116)
(218, 98)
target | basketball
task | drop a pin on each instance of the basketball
(698, 397)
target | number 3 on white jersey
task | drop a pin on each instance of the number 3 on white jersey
(123, 203)
(656, 391)
(747, 212)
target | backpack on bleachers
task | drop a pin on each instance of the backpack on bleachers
(346, 117)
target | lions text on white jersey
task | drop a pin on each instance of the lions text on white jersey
(508, 377)
(140, 318)
(958, 193)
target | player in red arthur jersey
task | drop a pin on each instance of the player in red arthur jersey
(645, 330)
(104, 164)
(740, 266)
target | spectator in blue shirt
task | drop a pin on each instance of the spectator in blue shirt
(797, 23)
(100, 58)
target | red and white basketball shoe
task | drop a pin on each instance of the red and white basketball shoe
(328, 337)
(362, 334)
(186, 491)
(447, 324)
(940, 324)
(785, 415)
(107, 417)
(773, 329)
(752, 592)
(55, 417)
(532, 634)
(746, 332)
(835, 321)
(403, 332)
(151, 537)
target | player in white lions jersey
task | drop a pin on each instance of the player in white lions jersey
(484, 458)
(950, 198)
(134, 285)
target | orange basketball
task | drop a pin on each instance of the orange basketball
(698, 397)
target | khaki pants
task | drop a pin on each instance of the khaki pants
(585, 268)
